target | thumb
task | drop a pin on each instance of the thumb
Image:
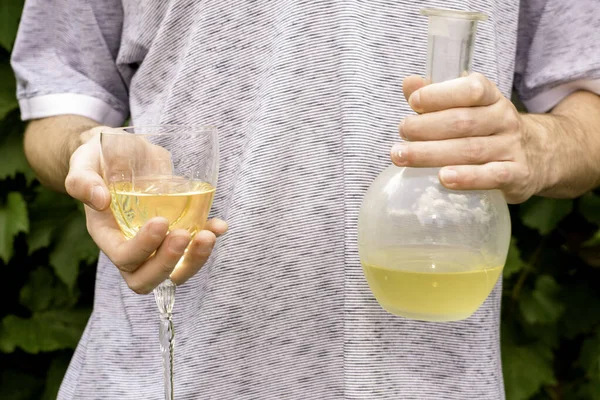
(84, 182)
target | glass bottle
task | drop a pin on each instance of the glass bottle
(430, 253)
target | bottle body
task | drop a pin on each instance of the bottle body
(430, 253)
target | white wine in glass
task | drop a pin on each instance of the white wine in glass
(167, 171)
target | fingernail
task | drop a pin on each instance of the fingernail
(448, 176)
(402, 129)
(98, 197)
(415, 100)
(399, 154)
(178, 244)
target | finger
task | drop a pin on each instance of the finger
(195, 257)
(455, 123)
(495, 175)
(469, 91)
(464, 151)
(216, 226)
(127, 255)
(160, 265)
(83, 182)
(412, 83)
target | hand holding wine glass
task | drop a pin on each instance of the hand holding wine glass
(149, 257)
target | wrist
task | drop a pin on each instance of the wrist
(567, 168)
(542, 151)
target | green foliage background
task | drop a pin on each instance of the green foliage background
(551, 298)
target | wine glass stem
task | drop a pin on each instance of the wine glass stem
(164, 294)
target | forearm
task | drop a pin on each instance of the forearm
(570, 139)
(49, 143)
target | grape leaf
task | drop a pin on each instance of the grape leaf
(581, 312)
(589, 357)
(542, 305)
(44, 331)
(11, 149)
(10, 14)
(72, 247)
(43, 291)
(54, 378)
(593, 241)
(17, 385)
(13, 219)
(47, 214)
(544, 214)
(8, 88)
(589, 207)
(526, 370)
(514, 263)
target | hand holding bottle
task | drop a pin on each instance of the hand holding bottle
(468, 127)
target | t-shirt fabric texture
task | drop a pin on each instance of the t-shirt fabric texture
(307, 97)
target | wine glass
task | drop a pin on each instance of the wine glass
(162, 170)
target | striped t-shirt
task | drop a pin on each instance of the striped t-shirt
(307, 98)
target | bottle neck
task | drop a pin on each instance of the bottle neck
(449, 48)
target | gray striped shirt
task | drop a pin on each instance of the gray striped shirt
(307, 97)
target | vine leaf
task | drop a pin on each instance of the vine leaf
(544, 214)
(514, 263)
(10, 14)
(526, 370)
(589, 207)
(542, 305)
(45, 331)
(13, 220)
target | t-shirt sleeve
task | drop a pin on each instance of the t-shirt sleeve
(65, 60)
(558, 51)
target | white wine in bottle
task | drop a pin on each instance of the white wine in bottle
(431, 284)
(184, 203)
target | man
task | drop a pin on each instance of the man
(307, 96)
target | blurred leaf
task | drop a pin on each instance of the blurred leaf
(589, 357)
(542, 305)
(514, 263)
(11, 149)
(593, 241)
(526, 370)
(589, 391)
(544, 335)
(581, 312)
(54, 378)
(589, 207)
(16, 385)
(47, 214)
(10, 14)
(44, 331)
(544, 214)
(8, 89)
(73, 246)
(43, 291)
(13, 219)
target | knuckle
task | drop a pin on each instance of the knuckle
(512, 121)
(502, 175)
(477, 86)
(121, 262)
(167, 266)
(464, 122)
(474, 151)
